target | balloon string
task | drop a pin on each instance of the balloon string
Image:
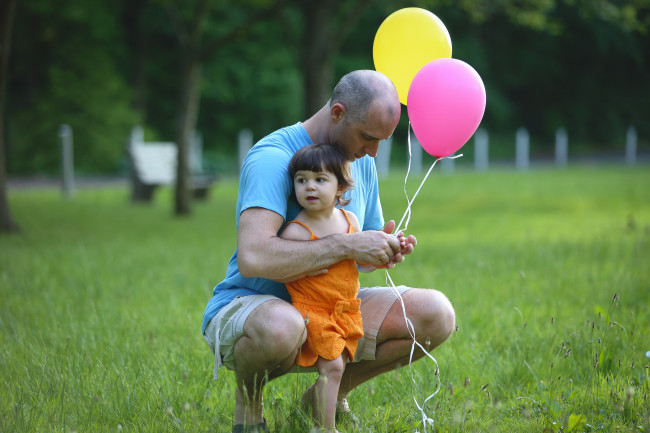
(408, 170)
(409, 325)
(410, 202)
(411, 329)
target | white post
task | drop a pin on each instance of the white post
(245, 143)
(630, 146)
(137, 134)
(67, 162)
(196, 153)
(561, 147)
(416, 155)
(382, 160)
(523, 145)
(481, 150)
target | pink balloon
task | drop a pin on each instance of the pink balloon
(446, 102)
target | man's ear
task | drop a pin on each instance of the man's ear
(337, 112)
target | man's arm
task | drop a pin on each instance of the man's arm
(261, 253)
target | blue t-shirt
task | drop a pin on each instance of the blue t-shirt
(264, 182)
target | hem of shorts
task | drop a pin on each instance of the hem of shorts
(366, 355)
(217, 351)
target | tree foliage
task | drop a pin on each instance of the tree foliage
(7, 8)
(582, 67)
(103, 67)
(65, 69)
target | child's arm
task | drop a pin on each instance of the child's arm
(296, 232)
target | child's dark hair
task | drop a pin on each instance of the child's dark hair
(323, 157)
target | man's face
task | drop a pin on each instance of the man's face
(358, 139)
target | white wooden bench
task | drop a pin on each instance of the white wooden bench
(154, 164)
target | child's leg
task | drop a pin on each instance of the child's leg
(327, 388)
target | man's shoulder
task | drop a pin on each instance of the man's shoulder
(279, 145)
(293, 135)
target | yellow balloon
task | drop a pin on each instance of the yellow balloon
(406, 41)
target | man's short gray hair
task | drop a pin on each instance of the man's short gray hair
(356, 91)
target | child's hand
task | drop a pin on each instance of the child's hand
(406, 245)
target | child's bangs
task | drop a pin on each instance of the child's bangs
(319, 160)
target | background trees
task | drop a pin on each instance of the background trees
(7, 222)
(258, 64)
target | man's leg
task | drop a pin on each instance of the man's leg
(434, 321)
(273, 334)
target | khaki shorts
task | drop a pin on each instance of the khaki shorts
(227, 326)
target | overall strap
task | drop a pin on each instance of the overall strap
(313, 236)
(347, 217)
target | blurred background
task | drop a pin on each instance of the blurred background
(221, 67)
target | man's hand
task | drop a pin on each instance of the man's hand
(375, 248)
(407, 244)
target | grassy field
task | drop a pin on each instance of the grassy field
(549, 272)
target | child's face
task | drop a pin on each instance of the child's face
(316, 190)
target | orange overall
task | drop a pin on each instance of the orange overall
(331, 308)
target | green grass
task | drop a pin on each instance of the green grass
(102, 302)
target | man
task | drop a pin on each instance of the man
(249, 322)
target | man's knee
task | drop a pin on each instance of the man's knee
(277, 329)
(433, 314)
(446, 316)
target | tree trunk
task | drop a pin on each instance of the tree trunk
(327, 24)
(316, 53)
(7, 223)
(137, 39)
(188, 111)
(193, 54)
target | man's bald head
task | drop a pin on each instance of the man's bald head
(357, 90)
